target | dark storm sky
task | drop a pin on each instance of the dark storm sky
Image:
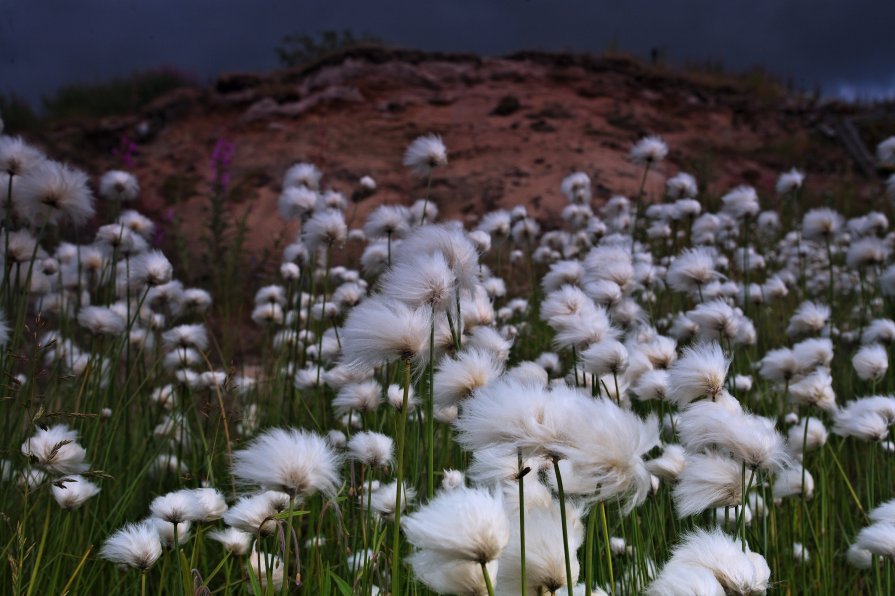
(846, 47)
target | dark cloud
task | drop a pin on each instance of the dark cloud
(840, 45)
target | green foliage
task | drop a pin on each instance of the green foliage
(116, 96)
(17, 114)
(300, 48)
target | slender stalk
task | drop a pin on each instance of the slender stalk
(179, 564)
(565, 529)
(430, 414)
(520, 478)
(399, 476)
(426, 201)
(637, 207)
(608, 547)
(485, 573)
(830, 271)
(589, 553)
(286, 575)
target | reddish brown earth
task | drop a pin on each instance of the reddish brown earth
(354, 114)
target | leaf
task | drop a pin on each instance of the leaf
(343, 586)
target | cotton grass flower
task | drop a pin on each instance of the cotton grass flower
(789, 181)
(609, 449)
(293, 461)
(254, 514)
(885, 152)
(387, 221)
(210, 503)
(73, 491)
(297, 202)
(447, 575)
(821, 224)
(303, 174)
(809, 318)
(101, 320)
(425, 154)
(421, 280)
(176, 507)
(681, 186)
(690, 271)
(670, 465)
(737, 569)
(467, 524)
(808, 435)
(119, 186)
(871, 362)
(53, 193)
(648, 150)
(544, 551)
(372, 449)
(134, 545)
(358, 397)
(607, 357)
(380, 330)
(879, 539)
(863, 425)
(150, 269)
(741, 203)
(456, 378)
(750, 439)
(56, 449)
(236, 542)
(267, 568)
(708, 480)
(383, 499)
(698, 373)
(793, 481)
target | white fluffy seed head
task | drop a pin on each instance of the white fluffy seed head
(458, 377)
(737, 569)
(293, 461)
(709, 480)
(425, 154)
(235, 541)
(801, 439)
(56, 449)
(372, 449)
(358, 397)
(698, 373)
(871, 362)
(648, 151)
(134, 545)
(468, 524)
(72, 491)
(544, 550)
(379, 331)
(878, 538)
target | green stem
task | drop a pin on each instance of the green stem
(179, 564)
(608, 547)
(430, 415)
(521, 479)
(589, 553)
(288, 533)
(426, 201)
(488, 584)
(399, 475)
(565, 529)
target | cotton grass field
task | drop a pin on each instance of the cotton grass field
(666, 395)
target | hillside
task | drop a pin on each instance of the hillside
(514, 126)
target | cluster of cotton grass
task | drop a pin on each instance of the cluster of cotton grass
(665, 395)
